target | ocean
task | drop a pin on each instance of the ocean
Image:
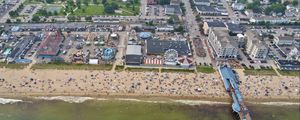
(85, 108)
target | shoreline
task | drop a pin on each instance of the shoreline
(149, 97)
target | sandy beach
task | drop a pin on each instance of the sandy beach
(109, 83)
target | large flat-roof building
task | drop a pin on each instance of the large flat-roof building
(213, 24)
(224, 46)
(173, 10)
(207, 10)
(201, 2)
(134, 55)
(159, 47)
(255, 47)
(284, 40)
(288, 64)
(50, 46)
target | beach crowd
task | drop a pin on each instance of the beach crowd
(47, 82)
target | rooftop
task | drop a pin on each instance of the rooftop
(159, 47)
(215, 23)
(134, 50)
(50, 45)
(234, 27)
(289, 63)
(201, 0)
(206, 8)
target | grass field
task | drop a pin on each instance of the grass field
(13, 66)
(66, 66)
(262, 72)
(94, 9)
(119, 68)
(289, 73)
(142, 69)
(177, 70)
(205, 69)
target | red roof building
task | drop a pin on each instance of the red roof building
(50, 46)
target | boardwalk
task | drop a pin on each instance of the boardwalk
(230, 81)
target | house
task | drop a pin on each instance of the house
(222, 44)
(213, 24)
(202, 2)
(255, 47)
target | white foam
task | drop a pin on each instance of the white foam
(70, 99)
(277, 103)
(9, 101)
(199, 102)
(138, 100)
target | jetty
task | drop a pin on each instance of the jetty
(230, 80)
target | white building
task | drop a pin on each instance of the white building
(283, 40)
(238, 6)
(223, 45)
(255, 47)
(272, 20)
(202, 2)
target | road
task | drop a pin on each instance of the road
(194, 31)
(6, 16)
(231, 14)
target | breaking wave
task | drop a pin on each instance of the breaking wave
(9, 101)
(277, 103)
(69, 99)
(200, 102)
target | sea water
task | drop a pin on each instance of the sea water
(86, 108)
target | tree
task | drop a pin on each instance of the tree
(275, 8)
(255, 6)
(109, 9)
(86, 3)
(35, 19)
(89, 18)
(78, 4)
(104, 2)
(8, 21)
(95, 2)
(179, 29)
(49, 1)
(71, 18)
(163, 2)
(295, 2)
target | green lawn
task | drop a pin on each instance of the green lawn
(90, 10)
(13, 66)
(119, 68)
(205, 69)
(177, 70)
(67, 66)
(289, 73)
(262, 72)
(93, 9)
(142, 69)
